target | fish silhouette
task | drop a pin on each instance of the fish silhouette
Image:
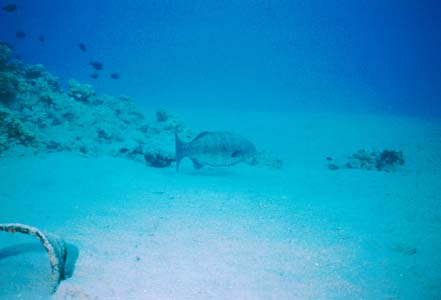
(115, 76)
(10, 8)
(20, 34)
(82, 47)
(96, 65)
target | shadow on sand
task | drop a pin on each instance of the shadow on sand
(35, 247)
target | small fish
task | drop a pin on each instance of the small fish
(115, 76)
(214, 149)
(41, 38)
(82, 47)
(9, 8)
(94, 75)
(20, 34)
(96, 65)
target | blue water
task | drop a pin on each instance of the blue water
(364, 56)
(303, 80)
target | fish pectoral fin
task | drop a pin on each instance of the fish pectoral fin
(197, 165)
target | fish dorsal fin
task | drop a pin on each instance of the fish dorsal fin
(201, 135)
(197, 165)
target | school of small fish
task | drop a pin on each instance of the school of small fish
(96, 65)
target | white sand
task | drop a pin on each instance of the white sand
(304, 232)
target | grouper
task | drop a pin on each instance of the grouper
(215, 149)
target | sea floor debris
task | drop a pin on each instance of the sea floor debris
(55, 247)
(386, 160)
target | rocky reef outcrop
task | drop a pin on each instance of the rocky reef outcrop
(13, 131)
(5, 56)
(386, 160)
(8, 87)
(36, 113)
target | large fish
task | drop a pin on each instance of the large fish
(214, 149)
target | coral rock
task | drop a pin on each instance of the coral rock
(158, 159)
(34, 71)
(5, 56)
(386, 160)
(17, 130)
(14, 131)
(80, 92)
(3, 143)
(8, 87)
(389, 159)
(162, 115)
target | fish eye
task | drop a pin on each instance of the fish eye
(235, 153)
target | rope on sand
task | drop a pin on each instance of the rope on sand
(55, 247)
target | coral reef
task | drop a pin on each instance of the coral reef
(5, 56)
(17, 130)
(160, 152)
(8, 87)
(158, 159)
(386, 160)
(13, 131)
(35, 112)
(34, 71)
(3, 144)
(36, 80)
(389, 159)
(162, 115)
(80, 92)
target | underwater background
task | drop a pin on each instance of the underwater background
(364, 56)
(336, 103)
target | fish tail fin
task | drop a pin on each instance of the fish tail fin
(180, 153)
(197, 165)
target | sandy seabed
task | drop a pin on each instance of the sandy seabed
(303, 232)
